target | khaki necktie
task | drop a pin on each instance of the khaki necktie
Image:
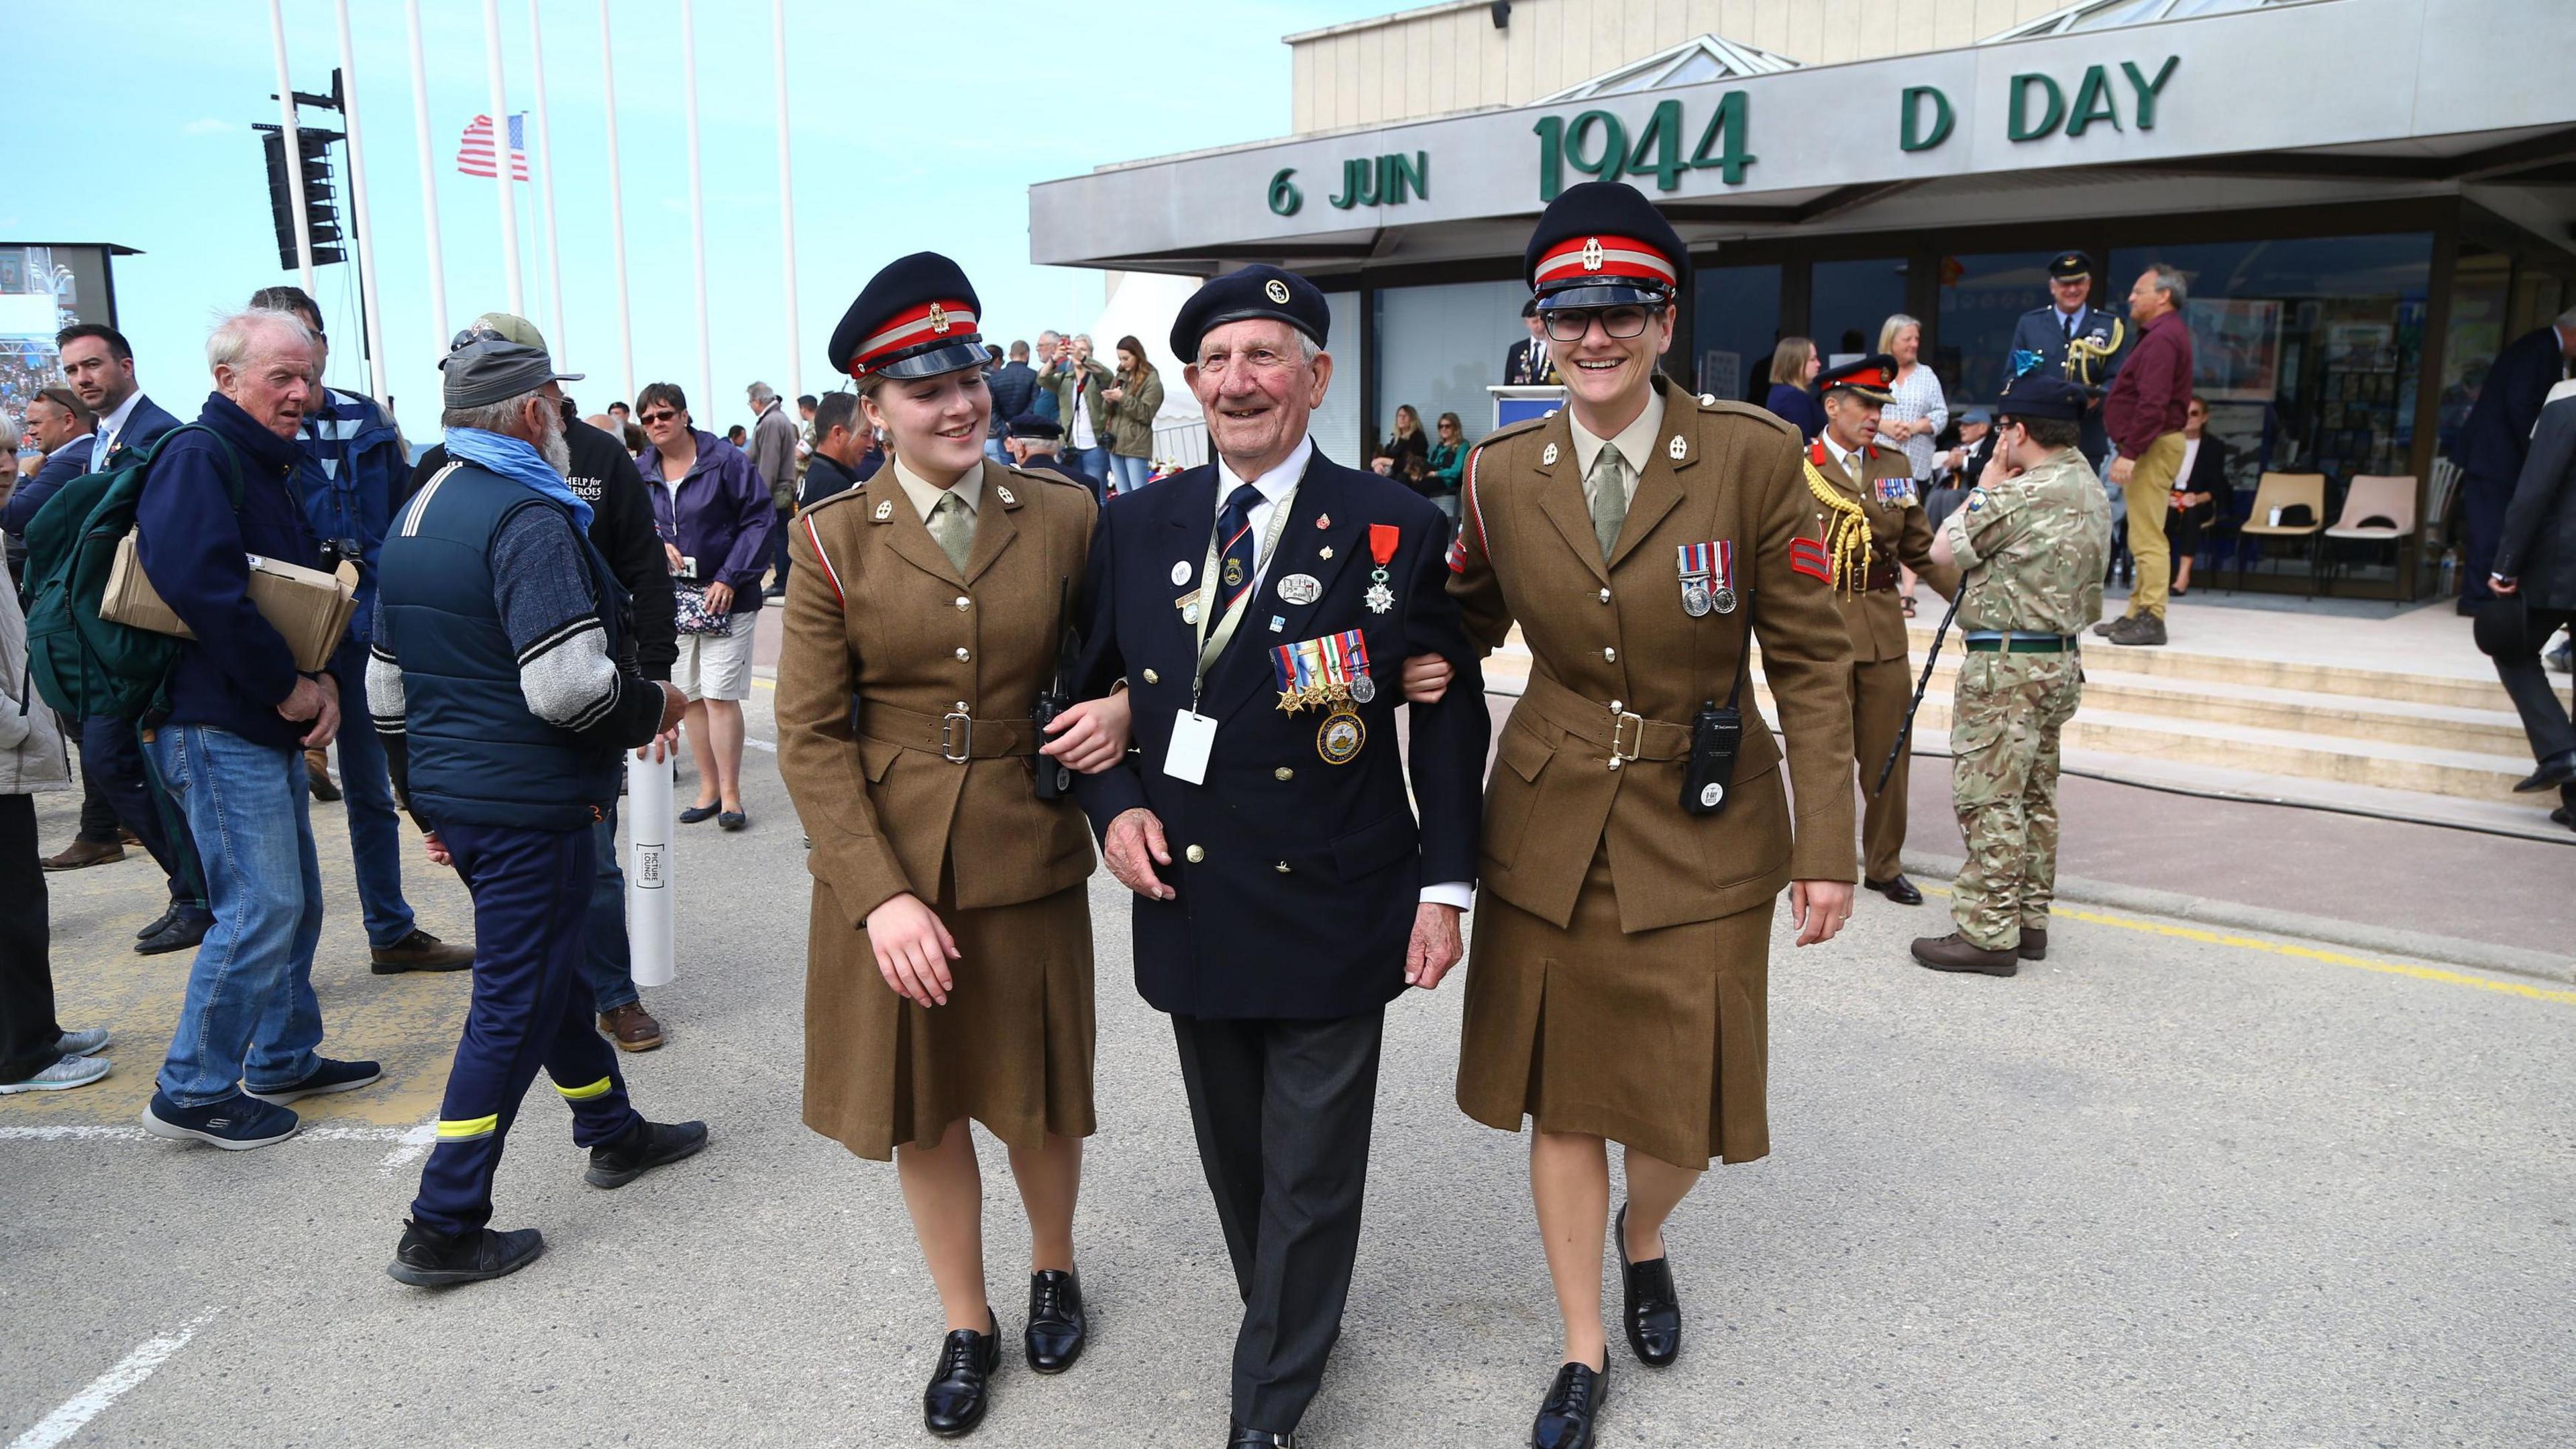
(954, 527)
(1609, 499)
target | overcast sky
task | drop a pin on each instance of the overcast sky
(914, 127)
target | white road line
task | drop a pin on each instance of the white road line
(103, 1391)
(68, 1132)
(413, 1143)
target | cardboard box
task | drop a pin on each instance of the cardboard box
(308, 607)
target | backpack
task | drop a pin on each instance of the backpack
(84, 665)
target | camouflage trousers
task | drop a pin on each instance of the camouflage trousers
(2005, 717)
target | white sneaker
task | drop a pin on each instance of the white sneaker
(62, 1076)
(83, 1043)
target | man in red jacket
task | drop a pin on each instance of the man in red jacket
(2144, 416)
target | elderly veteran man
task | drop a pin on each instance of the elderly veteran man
(497, 683)
(2032, 538)
(1256, 608)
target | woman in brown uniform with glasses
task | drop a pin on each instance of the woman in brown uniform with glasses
(948, 973)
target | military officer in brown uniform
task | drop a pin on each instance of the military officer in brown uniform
(948, 971)
(1866, 500)
(1636, 830)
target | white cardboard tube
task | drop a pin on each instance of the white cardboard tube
(650, 924)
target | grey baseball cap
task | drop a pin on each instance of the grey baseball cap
(484, 367)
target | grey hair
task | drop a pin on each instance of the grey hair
(2567, 320)
(236, 334)
(9, 434)
(2170, 281)
(762, 394)
(489, 417)
(1887, 331)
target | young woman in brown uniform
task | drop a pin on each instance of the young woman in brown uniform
(949, 951)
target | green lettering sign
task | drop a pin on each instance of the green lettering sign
(1285, 198)
(1914, 136)
(1596, 143)
(2149, 89)
(2019, 126)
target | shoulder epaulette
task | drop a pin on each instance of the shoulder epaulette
(855, 490)
(1525, 425)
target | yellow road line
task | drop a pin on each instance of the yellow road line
(2306, 953)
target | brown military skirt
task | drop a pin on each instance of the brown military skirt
(1011, 1049)
(1658, 1040)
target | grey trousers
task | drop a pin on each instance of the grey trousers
(1283, 1111)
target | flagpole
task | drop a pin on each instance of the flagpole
(369, 299)
(697, 203)
(545, 159)
(786, 190)
(502, 166)
(428, 182)
(616, 204)
(291, 137)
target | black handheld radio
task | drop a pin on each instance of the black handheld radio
(1054, 777)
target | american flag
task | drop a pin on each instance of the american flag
(474, 153)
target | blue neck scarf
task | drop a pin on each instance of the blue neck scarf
(514, 459)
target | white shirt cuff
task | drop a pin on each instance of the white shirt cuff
(1458, 893)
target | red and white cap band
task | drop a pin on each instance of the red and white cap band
(929, 323)
(1605, 256)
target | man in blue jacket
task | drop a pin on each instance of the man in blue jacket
(2497, 437)
(354, 462)
(232, 748)
(497, 681)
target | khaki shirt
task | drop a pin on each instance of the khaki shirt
(2032, 549)
(1635, 446)
(926, 496)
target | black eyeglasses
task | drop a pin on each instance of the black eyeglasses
(1572, 323)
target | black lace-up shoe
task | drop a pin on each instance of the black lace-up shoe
(962, 1388)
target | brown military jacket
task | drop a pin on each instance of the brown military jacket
(881, 629)
(1899, 531)
(1722, 472)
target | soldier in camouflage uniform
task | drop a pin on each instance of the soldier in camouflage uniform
(2031, 539)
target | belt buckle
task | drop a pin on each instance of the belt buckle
(956, 737)
(1621, 719)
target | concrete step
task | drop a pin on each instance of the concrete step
(2468, 688)
(2343, 716)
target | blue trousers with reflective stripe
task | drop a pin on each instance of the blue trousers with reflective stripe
(531, 924)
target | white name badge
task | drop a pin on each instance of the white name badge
(1193, 736)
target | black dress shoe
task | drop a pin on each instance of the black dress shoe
(1244, 1438)
(2555, 771)
(641, 1148)
(697, 813)
(159, 924)
(1058, 1327)
(1573, 1404)
(1898, 889)
(186, 929)
(962, 1388)
(1654, 1313)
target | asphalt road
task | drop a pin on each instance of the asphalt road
(2164, 1189)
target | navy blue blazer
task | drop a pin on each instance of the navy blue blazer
(2497, 436)
(143, 427)
(1302, 902)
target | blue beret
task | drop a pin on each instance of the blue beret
(918, 317)
(1602, 244)
(2037, 395)
(1254, 291)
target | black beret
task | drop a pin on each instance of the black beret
(2037, 395)
(2066, 266)
(1254, 291)
(916, 318)
(1602, 243)
(1869, 376)
(1032, 425)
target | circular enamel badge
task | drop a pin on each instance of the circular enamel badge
(1181, 572)
(1276, 290)
(1340, 738)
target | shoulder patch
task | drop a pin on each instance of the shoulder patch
(1522, 428)
(844, 496)
(1747, 411)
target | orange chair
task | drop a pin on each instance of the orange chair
(2376, 509)
(2274, 496)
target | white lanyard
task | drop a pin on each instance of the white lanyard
(1210, 645)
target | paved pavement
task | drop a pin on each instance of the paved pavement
(2160, 1190)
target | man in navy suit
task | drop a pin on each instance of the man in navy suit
(2497, 437)
(1259, 610)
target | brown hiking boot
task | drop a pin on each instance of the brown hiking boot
(2137, 629)
(420, 951)
(1955, 952)
(317, 775)
(2034, 943)
(85, 852)
(632, 1028)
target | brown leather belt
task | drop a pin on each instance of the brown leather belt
(1622, 733)
(1880, 577)
(954, 736)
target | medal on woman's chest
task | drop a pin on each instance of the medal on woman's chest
(1707, 577)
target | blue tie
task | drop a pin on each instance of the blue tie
(1235, 555)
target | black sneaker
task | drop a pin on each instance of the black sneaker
(238, 1123)
(326, 1077)
(427, 1258)
(641, 1148)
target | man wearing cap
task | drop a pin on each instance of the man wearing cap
(2071, 327)
(621, 528)
(1037, 442)
(497, 680)
(2031, 541)
(1636, 831)
(1259, 609)
(1870, 491)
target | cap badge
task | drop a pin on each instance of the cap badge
(1677, 448)
(1592, 254)
(1548, 459)
(938, 319)
(1276, 290)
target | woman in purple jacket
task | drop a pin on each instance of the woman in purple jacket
(715, 518)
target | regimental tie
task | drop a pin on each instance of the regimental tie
(1235, 556)
(1609, 499)
(953, 526)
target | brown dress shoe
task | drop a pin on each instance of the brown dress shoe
(317, 775)
(632, 1028)
(2034, 943)
(1955, 952)
(420, 951)
(85, 852)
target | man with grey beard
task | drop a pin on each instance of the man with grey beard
(497, 684)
